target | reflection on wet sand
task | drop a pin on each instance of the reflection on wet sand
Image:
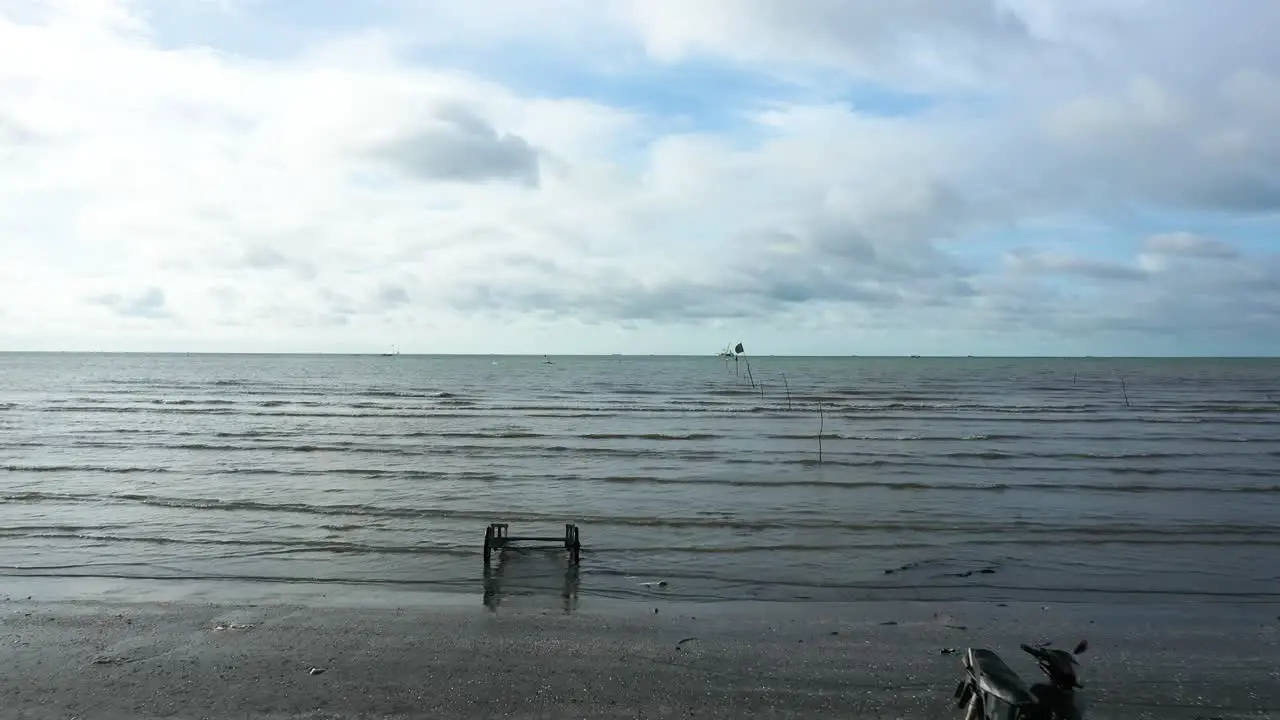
(531, 572)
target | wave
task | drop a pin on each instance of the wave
(264, 546)
(43, 530)
(1003, 463)
(650, 436)
(955, 527)
(81, 469)
(920, 485)
(188, 401)
(1037, 487)
(357, 434)
(122, 409)
(1071, 423)
(900, 463)
(898, 438)
(241, 548)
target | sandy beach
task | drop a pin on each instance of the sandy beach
(113, 661)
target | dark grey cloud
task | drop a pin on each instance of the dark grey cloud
(227, 298)
(838, 240)
(13, 132)
(1169, 312)
(1206, 306)
(754, 282)
(459, 146)
(390, 296)
(535, 263)
(614, 298)
(1183, 301)
(772, 283)
(1036, 262)
(1188, 245)
(337, 302)
(149, 303)
(1135, 166)
(262, 256)
(340, 305)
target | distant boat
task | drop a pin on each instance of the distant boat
(731, 351)
(394, 353)
(546, 360)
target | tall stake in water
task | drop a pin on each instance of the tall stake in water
(1125, 389)
(788, 386)
(821, 422)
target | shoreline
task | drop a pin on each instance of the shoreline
(498, 590)
(115, 660)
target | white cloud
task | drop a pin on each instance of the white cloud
(919, 43)
(352, 191)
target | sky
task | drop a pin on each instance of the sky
(987, 177)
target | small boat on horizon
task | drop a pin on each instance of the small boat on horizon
(730, 351)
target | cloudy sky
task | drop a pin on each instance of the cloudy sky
(808, 176)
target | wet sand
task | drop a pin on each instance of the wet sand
(113, 661)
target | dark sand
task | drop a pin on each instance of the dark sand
(609, 660)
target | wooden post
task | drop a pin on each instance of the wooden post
(488, 544)
(821, 423)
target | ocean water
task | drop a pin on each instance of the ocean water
(967, 478)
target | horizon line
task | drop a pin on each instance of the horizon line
(312, 353)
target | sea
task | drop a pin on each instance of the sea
(783, 479)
